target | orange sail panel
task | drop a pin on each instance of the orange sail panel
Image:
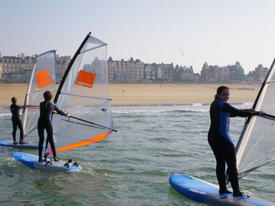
(43, 79)
(91, 140)
(85, 79)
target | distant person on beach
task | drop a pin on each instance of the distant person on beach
(16, 122)
(220, 141)
(47, 108)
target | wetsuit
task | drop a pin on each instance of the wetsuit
(222, 144)
(16, 122)
(44, 122)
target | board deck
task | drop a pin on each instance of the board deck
(208, 193)
(9, 143)
(32, 161)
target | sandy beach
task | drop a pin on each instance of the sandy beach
(136, 94)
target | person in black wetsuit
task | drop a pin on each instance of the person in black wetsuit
(47, 108)
(220, 141)
(16, 122)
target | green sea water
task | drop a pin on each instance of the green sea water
(132, 166)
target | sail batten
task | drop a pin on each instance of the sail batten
(256, 146)
(93, 97)
(93, 48)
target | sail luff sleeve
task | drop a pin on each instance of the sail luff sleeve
(26, 102)
(70, 66)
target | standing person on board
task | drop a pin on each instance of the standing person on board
(220, 141)
(16, 122)
(47, 108)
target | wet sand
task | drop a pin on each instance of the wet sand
(138, 94)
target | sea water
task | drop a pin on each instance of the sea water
(132, 166)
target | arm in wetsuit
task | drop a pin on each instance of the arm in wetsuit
(234, 112)
(59, 111)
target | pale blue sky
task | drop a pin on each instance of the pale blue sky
(217, 31)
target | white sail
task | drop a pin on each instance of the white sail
(256, 146)
(43, 78)
(84, 92)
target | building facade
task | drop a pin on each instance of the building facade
(19, 69)
(135, 71)
(16, 69)
(258, 75)
(131, 71)
(226, 74)
(61, 65)
(185, 74)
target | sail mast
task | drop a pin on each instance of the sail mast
(26, 102)
(70, 66)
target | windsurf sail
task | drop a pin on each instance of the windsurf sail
(43, 77)
(84, 93)
(256, 146)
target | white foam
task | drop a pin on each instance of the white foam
(159, 109)
(5, 114)
(197, 104)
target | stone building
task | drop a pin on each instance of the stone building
(135, 71)
(165, 72)
(19, 69)
(185, 74)
(225, 74)
(16, 69)
(209, 73)
(125, 71)
(155, 72)
(150, 72)
(99, 67)
(158, 72)
(61, 65)
(258, 75)
(236, 73)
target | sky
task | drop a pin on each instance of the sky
(183, 32)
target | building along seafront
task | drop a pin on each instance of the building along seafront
(136, 71)
(18, 69)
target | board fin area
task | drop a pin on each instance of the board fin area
(49, 165)
(208, 193)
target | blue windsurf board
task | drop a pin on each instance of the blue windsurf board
(9, 143)
(49, 165)
(208, 193)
